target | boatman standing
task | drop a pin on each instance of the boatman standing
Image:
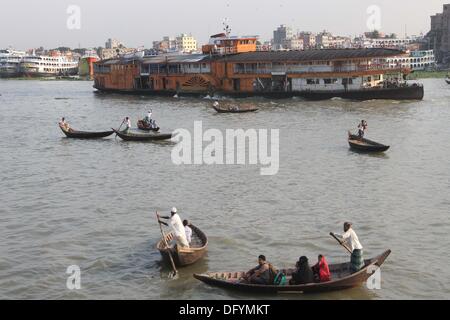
(178, 228)
(149, 117)
(127, 122)
(350, 239)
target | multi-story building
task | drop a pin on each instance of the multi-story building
(309, 39)
(293, 44)
(417, 60)
(186, 43)
(280, 35)
(439, 35)
(113, 44)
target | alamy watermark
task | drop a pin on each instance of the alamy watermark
(74, 280)
(74, 19)
(374, 282)
(373, 22)
(235, 147)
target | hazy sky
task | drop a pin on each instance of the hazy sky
(30, 23)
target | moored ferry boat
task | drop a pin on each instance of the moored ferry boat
(231, 66)
(47, 66)
(9, 63)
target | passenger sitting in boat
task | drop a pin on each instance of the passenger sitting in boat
(64, 125)
(234, 108)
(350, 239)
(362, 128)
(261, 274)
(216, 104)
(303, 273)
(188, 231)
(321, 270)
(178, 228)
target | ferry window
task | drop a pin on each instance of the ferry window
(312, 81)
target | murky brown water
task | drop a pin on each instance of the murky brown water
(92, 203)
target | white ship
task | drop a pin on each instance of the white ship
(47, 66)
(9, 63)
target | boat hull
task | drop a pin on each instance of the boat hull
(413, 92)
(73, 134)
(366, 145)
(346, 282)
(143, 137)
(185, 257)
(219, 110)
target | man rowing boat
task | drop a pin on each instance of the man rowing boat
(178, 228)
(350, 239)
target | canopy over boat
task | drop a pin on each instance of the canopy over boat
(185, 256)
(127, 136)
(341, 276)
(74, 134)
(365, 145)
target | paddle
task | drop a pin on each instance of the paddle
(340, 242)
(167, 246)
(123, 121)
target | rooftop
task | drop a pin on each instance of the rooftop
(313, 55)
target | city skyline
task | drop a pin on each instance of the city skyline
(139, 24)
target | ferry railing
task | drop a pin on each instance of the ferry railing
(311, 70)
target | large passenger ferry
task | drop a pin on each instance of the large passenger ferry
(47, 66)
(9, 63)
(231, 66)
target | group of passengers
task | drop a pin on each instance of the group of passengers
(266, 274)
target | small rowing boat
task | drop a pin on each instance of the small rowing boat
(365, 145)
(341, 276)
(142, 125)
(235, 110)
(128, 136)
(74, 134)
(184, 256)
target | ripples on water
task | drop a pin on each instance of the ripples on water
(92, 203)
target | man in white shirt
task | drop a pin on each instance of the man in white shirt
(350, 239)
(149, 117)
(188, 231)
(178, 228)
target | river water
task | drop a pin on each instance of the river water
(92, 203)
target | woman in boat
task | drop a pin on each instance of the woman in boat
(64, 125)
(350, 239)
(321, 270)
(178, 228)
(188, 231)
(261, 274)
(303, 273)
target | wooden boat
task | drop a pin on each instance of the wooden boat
(127, 136)
(74, 134)
(142, 125)
(185, 256)
(341, 277)
(232, 110)
(365, 145)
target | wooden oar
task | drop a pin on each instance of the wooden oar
(340, 242)
(167, 246)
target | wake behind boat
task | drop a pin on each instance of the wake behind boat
(341, 276)
(129, 136)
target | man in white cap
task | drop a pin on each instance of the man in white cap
(178, 228)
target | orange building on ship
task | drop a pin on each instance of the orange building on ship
(232, 66)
